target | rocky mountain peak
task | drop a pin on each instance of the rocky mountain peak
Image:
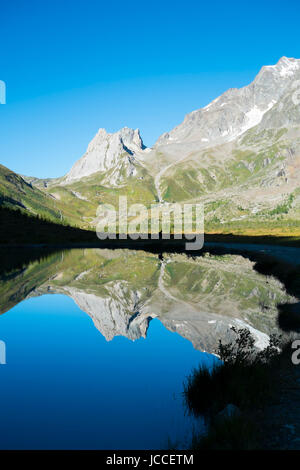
(285, 67)
(237, 110)
(104, 152)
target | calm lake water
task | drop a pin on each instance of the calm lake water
(99, 343)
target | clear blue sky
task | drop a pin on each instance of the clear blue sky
(71, 67)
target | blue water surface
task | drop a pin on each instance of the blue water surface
(65, 387)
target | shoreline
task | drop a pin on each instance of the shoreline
(209, 238)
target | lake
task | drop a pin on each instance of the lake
(99, 342)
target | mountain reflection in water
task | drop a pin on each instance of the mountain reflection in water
(66, 386)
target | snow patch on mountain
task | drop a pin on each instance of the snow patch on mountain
(252, 119)
(234, 112)
(285, 67)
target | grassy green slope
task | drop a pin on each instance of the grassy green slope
(252, 188)
(81, 199)
(16, 193)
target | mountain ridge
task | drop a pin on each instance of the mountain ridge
(239, 155)
(105, 151)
